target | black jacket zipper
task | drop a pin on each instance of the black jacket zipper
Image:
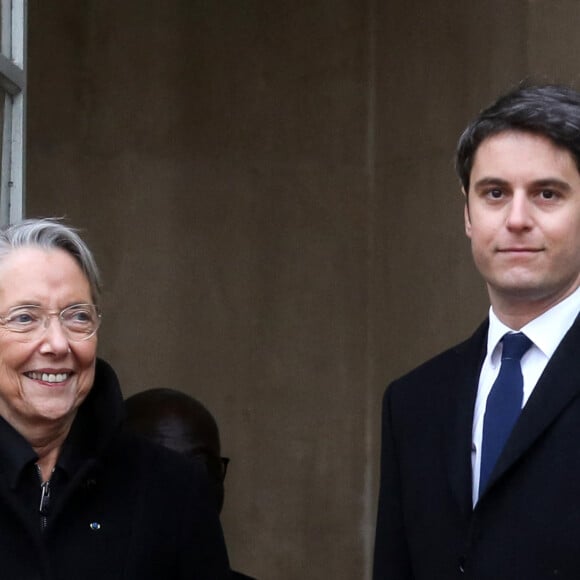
(44, 500)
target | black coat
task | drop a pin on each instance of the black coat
(240, 576)
(124, 509)
(526, 524)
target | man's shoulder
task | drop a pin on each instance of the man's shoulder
(443, 367)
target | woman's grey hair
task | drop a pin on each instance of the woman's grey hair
(48, 234)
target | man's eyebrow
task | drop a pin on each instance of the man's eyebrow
(545, 182)
(487, 181)
(552, 182)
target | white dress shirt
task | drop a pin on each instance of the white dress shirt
(546, 333)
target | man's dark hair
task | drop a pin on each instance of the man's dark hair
(552, 111)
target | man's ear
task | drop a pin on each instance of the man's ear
(466, 217)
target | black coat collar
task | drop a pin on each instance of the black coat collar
(98, 420)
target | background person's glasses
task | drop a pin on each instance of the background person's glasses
(29, 322)
(216, 466)
(225, 462)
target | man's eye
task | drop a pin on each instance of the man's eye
(495, 193)
(547, 194)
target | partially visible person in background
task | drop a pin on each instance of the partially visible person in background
(79, 498)
(178, 421)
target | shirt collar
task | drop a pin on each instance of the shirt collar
(546, 331)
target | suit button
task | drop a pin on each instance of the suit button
(462, 564)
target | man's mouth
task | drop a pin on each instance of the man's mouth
(518, 250)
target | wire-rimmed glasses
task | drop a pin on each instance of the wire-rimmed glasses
(29, 321)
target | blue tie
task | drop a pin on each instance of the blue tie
(504, 403)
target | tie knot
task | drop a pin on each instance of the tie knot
(515, 345)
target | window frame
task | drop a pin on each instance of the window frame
(13, 32)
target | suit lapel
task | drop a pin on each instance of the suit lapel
(556, 388)
(464, 379)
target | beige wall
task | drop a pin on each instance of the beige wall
(268, 187)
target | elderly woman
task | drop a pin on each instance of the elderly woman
(79, 497)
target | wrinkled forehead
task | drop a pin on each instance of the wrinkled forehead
(36, 274)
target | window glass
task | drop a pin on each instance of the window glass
(12, 108)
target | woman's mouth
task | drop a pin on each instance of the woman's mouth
(48, 377)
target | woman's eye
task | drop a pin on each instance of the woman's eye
(22, 318)
(79, 316)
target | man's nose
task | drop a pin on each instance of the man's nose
(519, 212)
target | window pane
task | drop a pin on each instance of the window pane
(5, 12)
(5, 103)
(3, 97)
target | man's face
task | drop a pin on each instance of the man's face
(522, 215)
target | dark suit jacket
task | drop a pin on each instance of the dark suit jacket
(526, 525)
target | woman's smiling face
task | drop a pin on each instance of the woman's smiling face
(43, 381)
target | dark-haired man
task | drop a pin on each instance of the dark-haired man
(480, 465)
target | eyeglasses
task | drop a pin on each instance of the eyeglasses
(225, 462)
(78, 321)
(217, 466)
